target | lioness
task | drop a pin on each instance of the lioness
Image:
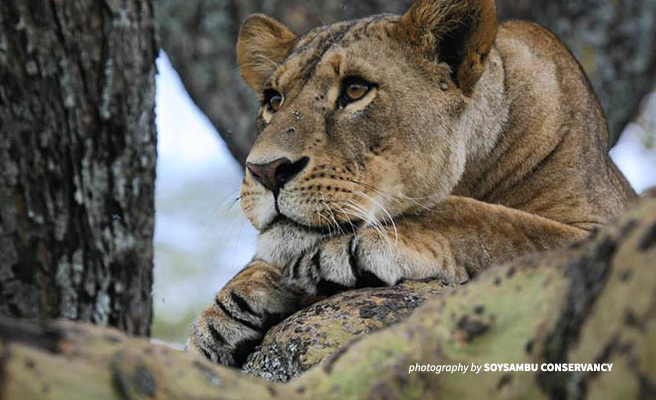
(430, 145)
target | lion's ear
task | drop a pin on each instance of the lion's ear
(263, 44)
(458, 32)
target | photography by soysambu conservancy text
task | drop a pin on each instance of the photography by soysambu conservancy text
(504, 367)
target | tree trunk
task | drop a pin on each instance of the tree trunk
(612, 39)
(591, 303)
(77, 160)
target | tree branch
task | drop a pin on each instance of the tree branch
(591, 303)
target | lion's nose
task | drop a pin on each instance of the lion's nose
(275, 174)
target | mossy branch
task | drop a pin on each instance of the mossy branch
(592, 303)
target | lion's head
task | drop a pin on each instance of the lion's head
(363, 120)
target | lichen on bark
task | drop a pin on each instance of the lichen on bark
(591, 303)
(307, 337)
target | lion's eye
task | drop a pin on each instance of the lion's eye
(273, 99)
(356, 91)
(353, 88)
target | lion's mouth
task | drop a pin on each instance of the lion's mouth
(336, 229)
(299, 223)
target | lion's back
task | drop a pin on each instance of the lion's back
(553, 105)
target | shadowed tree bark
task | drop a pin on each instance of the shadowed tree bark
(77, 160)
(591, 303)
(612, 39)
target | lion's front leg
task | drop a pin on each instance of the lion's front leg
(451, 242)
(228, 330)
(372, 258)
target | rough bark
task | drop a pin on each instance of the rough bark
(612, 39)
(592, 303)
(77, 160)
(307, 337)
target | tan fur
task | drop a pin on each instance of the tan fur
(263, 45)
(477, 144)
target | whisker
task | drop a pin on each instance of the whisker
(381, 230)
(232, 204)
(346, 214)
(394, 197)
(380, 206)
(372, 222)
(323, 218)
(338, 228)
